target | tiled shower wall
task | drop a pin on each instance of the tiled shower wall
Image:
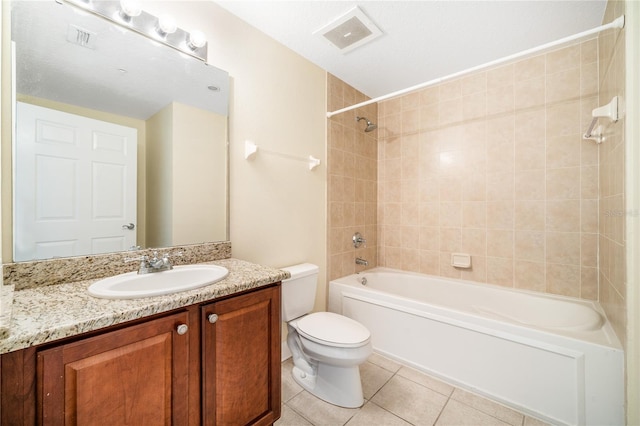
(352, 169)
(493, 164)
(613, 212)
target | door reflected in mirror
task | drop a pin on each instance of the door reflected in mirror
(175, 105)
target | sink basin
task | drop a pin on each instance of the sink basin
(180, 278)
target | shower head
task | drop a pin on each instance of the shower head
(370, 126)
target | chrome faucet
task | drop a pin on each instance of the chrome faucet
(155, 264)
(360, 261)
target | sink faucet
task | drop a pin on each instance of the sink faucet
(155, 264)
(360, 261)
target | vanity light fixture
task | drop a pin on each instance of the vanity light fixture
(163, 29)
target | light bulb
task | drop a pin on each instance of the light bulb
(130, 8)
(196, 39)
(166, 24)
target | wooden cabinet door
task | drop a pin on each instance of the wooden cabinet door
(241, 359)
(133, 376)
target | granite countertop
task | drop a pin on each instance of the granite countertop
(45, 314)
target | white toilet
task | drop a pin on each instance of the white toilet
(327, 348)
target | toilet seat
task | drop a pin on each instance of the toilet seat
(331, 329)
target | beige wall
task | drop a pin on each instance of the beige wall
(493, 164)
(278, 206)
(186, 176)
(200, 178)
(160, 177)
(352, 194)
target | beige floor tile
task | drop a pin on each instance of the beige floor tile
(489, 407)
(373, 378)
(384, 362)
(291, 418)
(371, 414)
(412, 402)
(289, 387)
(319, 412)
(426, 380)
(458, 414)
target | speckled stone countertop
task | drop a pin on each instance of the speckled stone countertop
(45, 314)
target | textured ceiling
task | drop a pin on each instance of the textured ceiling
(422, 40)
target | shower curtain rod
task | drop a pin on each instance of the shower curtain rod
(617, 23)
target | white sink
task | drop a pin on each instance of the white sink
(180, 278)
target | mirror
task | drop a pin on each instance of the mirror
(71, 61)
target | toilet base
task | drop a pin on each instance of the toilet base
(339, 386)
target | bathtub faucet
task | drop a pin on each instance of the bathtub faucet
(360, 261)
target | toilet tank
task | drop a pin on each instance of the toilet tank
(299, 291)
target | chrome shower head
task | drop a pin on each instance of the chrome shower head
(370, 126)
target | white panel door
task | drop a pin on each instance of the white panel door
(75, 185)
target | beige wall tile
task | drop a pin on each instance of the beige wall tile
(500, 76)
(478, 270)
(562, 59)
(530, 93)
(474, 214)
(493, 164)
(563, 184)
(564, 151)
(530, 185)
(530, 245)
(530, 275)
(474, 83)
(563, 119)
(563, 85)
(500, 100)
(500, 243)
(530, 215)
(500, 271)
(563, 215)
(563, 279)
(474, 241)
(563, 247)
(530, 68)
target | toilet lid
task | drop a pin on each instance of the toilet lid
(333, 329)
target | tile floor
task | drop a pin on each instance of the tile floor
(396, 395)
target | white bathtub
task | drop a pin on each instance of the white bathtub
(552, 357)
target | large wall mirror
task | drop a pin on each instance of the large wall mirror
(120, 141)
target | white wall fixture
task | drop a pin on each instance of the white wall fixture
(251, 149)
(609, 111)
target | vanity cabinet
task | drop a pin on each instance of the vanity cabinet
(241, 360)
(215, 363)
(136, 376)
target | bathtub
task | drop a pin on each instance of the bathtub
(554, 358)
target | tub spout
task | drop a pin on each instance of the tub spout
(360, 261)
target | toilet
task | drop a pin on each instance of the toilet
(327, 348)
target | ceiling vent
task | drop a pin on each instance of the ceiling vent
(349, 31)
(81, 37)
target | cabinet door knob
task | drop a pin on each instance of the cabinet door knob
(182, 329)
(212, 318)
